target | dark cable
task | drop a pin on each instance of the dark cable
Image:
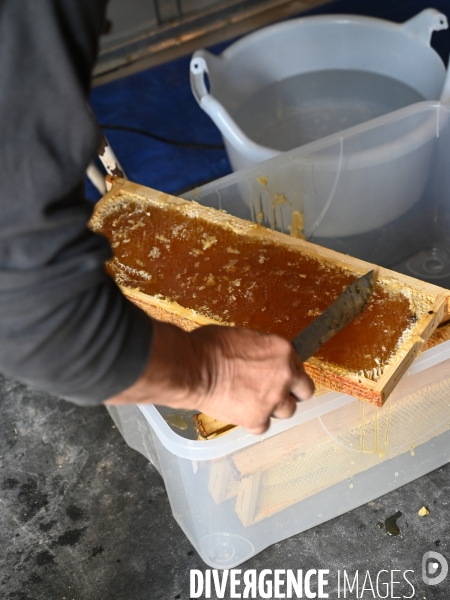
(165, 140)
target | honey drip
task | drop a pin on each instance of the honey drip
(177, 421)
(391, 524)
(388, 426)
(380, 435)
(248, 282)
(361, 449)
(377, 449)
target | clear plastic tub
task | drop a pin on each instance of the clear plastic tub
(237, 494)
(394, 212)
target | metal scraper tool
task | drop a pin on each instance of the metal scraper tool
(340, 313)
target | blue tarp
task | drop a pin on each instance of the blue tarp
(159, 100)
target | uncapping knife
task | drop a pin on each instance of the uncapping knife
(340, 313)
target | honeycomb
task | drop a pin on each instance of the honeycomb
(248, 282)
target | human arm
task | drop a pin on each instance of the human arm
(235, 375)
(64, 326)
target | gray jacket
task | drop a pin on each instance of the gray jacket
(65, 328)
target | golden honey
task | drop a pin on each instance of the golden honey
(247, 282)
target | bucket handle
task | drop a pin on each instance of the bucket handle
(424, 23)
(218, 113)
(200, 64)
(445, 94)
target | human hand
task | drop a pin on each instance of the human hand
(235, 375)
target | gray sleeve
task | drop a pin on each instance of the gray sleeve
(65, 327)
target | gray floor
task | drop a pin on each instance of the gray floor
(84, 517)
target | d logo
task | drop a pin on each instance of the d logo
(434, 568)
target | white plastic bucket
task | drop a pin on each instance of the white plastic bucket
(248, 68)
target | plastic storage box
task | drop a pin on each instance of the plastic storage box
(237, 494)
(379, 191)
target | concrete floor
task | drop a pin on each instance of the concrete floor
(84, 517)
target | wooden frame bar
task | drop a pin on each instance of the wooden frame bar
(323, 374)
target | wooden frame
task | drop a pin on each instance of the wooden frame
(310, 457)
(435, 298)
